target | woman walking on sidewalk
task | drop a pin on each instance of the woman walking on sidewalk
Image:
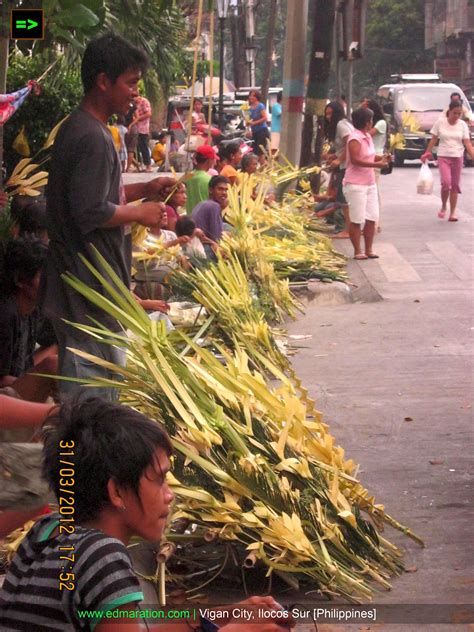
(360, 189)
(453, 136)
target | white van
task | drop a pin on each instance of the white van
(413, 108)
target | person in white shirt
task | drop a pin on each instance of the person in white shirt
(453, 136)
(379, 136)
(151, 274)
(467, 115)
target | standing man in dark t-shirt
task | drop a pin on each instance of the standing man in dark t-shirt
(88, 206)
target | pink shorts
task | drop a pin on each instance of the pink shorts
(450, 173)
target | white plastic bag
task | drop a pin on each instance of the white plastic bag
(424, 185)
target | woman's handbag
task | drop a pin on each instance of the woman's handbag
(386, 171)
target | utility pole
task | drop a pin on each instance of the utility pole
(293, 81)
(221, 73)
(350, 83)
(354, 19)
(338, 47)
(319, 67)
(250, 49)
(269, 49)
(237, 31)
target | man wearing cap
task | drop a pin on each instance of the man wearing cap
(197, 187)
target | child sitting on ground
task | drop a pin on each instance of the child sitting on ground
(151, 272)
(193, 249)
(328, 208)
(159, 150)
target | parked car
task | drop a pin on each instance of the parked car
(412, 107)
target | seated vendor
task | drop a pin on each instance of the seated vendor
(164, 248)
(328, 208)
(21, 324)
(208, 214)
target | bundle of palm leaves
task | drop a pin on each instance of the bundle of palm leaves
(237, 306)
(255, 466)
(284, 235)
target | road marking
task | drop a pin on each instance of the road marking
(394, 266)
(452, 258)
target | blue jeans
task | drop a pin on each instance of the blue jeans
(71, 365)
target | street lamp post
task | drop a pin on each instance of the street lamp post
(222, 8)
(250, 54)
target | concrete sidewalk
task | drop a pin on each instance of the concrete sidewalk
(394, 380)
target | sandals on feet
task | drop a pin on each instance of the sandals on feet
(360, 257)
(372, 256)
(453, 219)
(441, 214)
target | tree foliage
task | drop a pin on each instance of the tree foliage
(394, 43)
(396, 24)
(61, 92)
(157, 26)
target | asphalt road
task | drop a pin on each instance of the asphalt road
(394, 380)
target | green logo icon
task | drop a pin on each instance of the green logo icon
(26, 24)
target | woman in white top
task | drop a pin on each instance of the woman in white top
(379, 136)
(453, 136)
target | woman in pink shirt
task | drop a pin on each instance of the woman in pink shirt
(360, 189)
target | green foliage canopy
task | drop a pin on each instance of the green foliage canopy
(397, 24)
(61, 92)
(394, 43)
(157, 26)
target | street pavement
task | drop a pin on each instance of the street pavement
(392, 374)
(393, 377)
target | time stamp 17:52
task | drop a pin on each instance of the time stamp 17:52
(66, 510)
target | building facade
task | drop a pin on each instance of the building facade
(449, 28)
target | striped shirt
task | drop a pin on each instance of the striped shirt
(31, 598)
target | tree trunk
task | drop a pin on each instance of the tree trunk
(293, 82)
(269, 50)
(237, 30)
(319, 68)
